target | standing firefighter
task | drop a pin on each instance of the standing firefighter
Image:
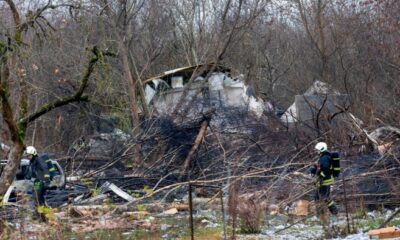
(42, 170)
(324, 170)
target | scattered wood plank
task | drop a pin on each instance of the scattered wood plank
(382, 233)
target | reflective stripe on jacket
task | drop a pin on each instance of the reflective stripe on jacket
(41, 169)
(325, 172)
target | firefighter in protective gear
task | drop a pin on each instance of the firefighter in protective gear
(42, 170)
(323, 170)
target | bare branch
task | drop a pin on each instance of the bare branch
(78, 96)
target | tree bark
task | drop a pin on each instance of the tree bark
(14, 160)
(131, 82)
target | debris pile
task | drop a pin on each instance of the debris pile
(221, 136)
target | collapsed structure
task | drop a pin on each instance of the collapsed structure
(319, 99)
(206, 86)
(210, 125)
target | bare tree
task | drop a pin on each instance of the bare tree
(123, 14)
(18, 121)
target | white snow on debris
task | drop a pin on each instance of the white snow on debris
(296, 232)
(216, 81)
(254, 105)
(290, 115)
(300, 232)
(149, 93)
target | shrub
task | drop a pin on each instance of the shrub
(250, 213)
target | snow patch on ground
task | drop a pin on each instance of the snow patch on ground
(358, 236)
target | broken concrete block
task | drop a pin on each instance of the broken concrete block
(389, 232)
(149, 93)
(216, 81)
(307, 106)
(171, 211)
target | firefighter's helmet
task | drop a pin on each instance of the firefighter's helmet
(321, 147)
(31, 150)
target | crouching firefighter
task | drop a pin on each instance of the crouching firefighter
(42, 170)
(324, 170)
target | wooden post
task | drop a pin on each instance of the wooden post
(191, 212)
(223, 211)
(345, 204)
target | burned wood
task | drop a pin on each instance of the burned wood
(196, 144)
(95, 199)
(59, 197)
(12, 212)
(357, 125)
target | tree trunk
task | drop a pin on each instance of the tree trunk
(131, 82)
(14, 160)
(17, 133)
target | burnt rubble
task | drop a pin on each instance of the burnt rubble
(237, 140)
(216, 143)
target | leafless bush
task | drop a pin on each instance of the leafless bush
(250, 212)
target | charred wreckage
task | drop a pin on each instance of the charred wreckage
(209, 125)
